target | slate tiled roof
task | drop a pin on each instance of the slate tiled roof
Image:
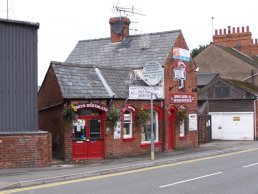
(129, 53)
(204, 78)
(240, 55)
(82, 82)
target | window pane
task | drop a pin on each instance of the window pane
(95, 131)
(127, 124)
(146, 129)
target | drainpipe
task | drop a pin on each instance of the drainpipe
(255, 102)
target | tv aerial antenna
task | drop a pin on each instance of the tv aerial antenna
(126, 10)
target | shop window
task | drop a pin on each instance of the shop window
(79, 130)
(146, 129)
(182, 128)
(128, 125)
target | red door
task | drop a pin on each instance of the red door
(89, 138)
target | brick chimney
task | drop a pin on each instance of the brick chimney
(119, 28)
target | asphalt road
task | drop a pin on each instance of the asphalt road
(225, 174)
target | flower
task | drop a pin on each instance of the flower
(113, 116)
(180, 115)
(68, 115)
(142, 115)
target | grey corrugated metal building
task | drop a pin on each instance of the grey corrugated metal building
(18, 74)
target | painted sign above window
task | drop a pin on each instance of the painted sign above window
(181, 98)
(181, 54)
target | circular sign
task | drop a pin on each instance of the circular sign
(152, 73)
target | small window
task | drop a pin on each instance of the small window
(221, 92)
(128, 129)
(146, 129)
(182, 128)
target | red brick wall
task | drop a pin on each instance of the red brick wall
(50, 93)
(25, 150)
(256, 120)
(239, 38)
(191, 138)
(50, 103)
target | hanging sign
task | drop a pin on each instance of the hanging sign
(152, 73)
(181, 54)
(117, 130)
(144, 92)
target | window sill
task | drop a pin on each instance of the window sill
(128, 139)
(148, 145)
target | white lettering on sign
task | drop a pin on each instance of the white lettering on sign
(97, 106)
(182, 98)
(144, 93)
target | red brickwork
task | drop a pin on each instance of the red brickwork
(25, 150)
(240, 39)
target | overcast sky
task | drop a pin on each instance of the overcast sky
(64, 22)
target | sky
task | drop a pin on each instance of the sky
(64, 22)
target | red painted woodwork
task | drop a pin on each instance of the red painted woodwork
(91, 146)
(171, 114)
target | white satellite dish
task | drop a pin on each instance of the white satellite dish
(152, 73)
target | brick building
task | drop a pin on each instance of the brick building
(240, 39)
(118, 72)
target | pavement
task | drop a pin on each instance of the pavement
(62, 171)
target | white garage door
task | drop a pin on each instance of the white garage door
(232, 126)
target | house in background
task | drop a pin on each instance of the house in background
(21, 143)
(233, 107)
(228, 62)
(122, 71)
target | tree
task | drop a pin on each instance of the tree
(196, 51)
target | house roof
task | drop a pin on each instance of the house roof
(78, 81)
(134, 51)
(245, 86)
(239, 55)
(16, 22)
(204, 78)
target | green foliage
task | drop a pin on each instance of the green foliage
(113, 116)
(196, 51)
(142, 115)
(68, 115)
(180, 115)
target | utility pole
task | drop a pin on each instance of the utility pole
(7, 9)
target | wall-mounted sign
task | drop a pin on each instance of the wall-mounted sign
(181, 98)
(117, 130)
(192, 122)
(144, 92)
(91, 105)
(181, 54)
(179, 74)
(236, 118)
(152, 73)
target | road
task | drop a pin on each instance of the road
(235, 173)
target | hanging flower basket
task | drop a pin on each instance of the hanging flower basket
(113, 116)
(69, 115)
(142, 116)
(180, 115)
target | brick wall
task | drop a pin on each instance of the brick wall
(239, 38)
(25, 150)
(171, 87)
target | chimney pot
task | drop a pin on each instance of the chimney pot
(229, 30)
(238, 30)
(247, 28)
(256, 42)
(234, 30)
(243, 29)
(220, 31)
(216, 32)
(224, 31)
